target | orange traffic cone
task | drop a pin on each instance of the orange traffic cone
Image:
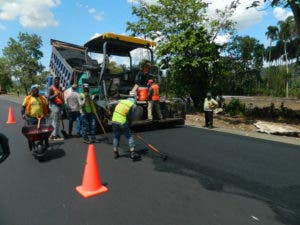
(91, 182)
(11, 117)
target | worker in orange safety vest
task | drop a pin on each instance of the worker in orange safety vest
(153, 100)
(56, 100)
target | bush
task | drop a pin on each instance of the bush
(273, 113)
(235, 107)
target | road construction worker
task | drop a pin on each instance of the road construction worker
(209, 105)
(153, 100)
(35, 106)
(144, 74)
(56, 100)
(121, 120)
(73, 104)
(88, 118)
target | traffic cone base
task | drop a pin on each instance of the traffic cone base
(91, 182)
(87, 194)
(11, 118)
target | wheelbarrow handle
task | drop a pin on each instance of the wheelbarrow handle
(39, 121)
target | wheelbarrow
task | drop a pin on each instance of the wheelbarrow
(37, 136)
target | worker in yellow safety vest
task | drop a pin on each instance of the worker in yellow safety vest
(121, 120)
(35, 106)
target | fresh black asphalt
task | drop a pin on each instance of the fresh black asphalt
(210, 178)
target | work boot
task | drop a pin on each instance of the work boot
(116, 153)
(93, 140)
(86, 140)
(70, 134)
(134, 155)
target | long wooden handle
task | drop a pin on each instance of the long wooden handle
(99, 121)
(39, 122)
(149, 145)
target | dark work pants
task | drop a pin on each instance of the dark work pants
(208, 118)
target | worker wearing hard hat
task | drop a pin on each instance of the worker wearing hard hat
(209, 105)
(88, 119)
(73, 104)
(153, 100)
(121, 120)
(35, 106)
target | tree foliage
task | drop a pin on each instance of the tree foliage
(184, 43)
(5, 78)
(294, 5)
(23, 57)
(245, 60)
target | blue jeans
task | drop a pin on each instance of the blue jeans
(88, 122)
(118, 130)
(74, 117)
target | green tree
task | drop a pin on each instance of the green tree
(114, 68)
(5, 78)
(23, 57)
(272, 35)
(294, 5)
(245, 60)
(184, 43)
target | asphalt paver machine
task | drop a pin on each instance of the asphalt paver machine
(94, 62)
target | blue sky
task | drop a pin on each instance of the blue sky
(78, 21)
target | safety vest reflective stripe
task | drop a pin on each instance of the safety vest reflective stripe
(155, 93)
(121, 111)
(28, 105)
(59, 98)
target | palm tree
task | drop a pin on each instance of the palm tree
(286, 33)
(272, 35)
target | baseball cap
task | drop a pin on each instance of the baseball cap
(34, 86)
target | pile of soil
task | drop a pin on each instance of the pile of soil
(225, 121)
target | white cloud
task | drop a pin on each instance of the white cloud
(242, 16)
(30, 13)
(146, 1)
(281, 14)
(92, 10)
(99, 16)
(2, 27)
(222, 39)
(95, 35)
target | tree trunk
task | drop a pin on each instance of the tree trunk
(287, 72)
(296, 11)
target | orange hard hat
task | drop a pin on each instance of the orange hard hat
(150, 81)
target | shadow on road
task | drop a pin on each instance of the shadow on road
(285, 202)
(55, 152)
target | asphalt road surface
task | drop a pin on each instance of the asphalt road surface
(210, 178)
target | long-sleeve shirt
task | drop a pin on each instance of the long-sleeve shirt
(73, 101)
